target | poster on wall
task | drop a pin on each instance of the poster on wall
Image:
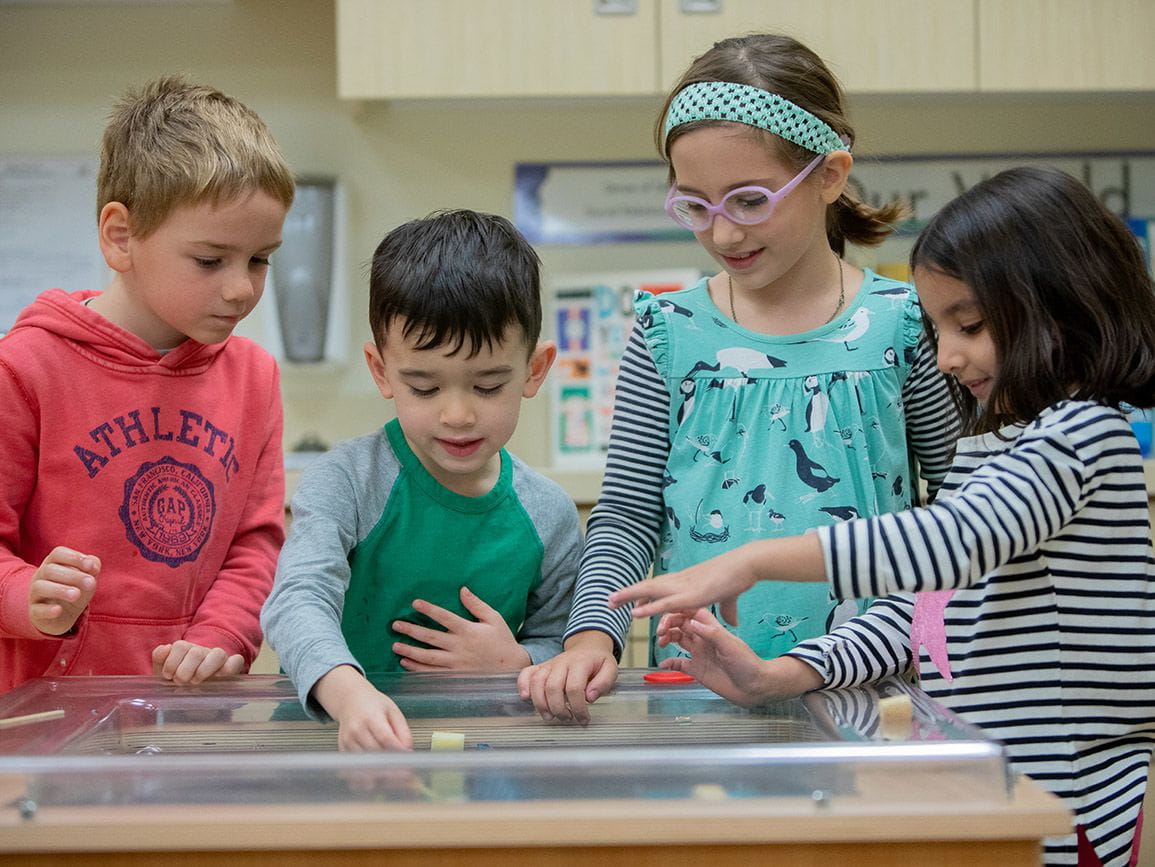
(47, 230)
(592, 315)
(622, 202)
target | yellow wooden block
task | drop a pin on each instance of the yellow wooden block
(443, 742)
(895, 717)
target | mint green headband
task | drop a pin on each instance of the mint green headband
(740, 103)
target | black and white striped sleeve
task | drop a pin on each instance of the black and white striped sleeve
(865, 648)
(932, 421)
(624, 527)
(1013, 501)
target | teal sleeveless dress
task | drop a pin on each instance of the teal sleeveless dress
(773, 436)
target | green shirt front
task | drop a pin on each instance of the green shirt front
(430, 542)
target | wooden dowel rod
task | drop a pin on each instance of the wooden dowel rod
(12, 721)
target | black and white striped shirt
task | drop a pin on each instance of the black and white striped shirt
(1050, 633)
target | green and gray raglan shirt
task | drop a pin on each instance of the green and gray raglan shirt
(372, 530)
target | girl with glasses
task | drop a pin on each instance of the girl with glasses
(789, 390)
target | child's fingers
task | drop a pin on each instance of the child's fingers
(217, 663)
(400, 728)
(602, 681)
(477, 606)
(233, 666)
(159, 655)
(61, 586)
(421, 655)
(62, 556)
(44, 612)
(432, 637)
(183, 662)
(440, 615)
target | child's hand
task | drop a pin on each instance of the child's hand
(563, 687)
(723, 662)
(184, 662)
(61, 589)
(721, 580)
(367, 719)
(485, 644)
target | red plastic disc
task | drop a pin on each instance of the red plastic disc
(667, 676)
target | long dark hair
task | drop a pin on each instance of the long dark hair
(1062, 285)
(784, 66)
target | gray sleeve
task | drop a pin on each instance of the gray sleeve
(555, 518)
(333, 509)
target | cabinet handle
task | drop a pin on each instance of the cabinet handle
(701, 7)
(615, 7)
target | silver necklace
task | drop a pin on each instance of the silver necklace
(841, 294)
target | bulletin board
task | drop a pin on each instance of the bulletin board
(47, 230)
(593, 315)
(614, 202)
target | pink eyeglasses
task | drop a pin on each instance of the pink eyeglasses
(745, 205)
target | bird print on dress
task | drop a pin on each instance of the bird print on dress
(736, 403)
(715, 529)
(669, 307)
(734, 383)
(841, 513)
(853, 329)
(744, 359)
(754, 500)
(896, 295)
(702, 443)
(686, 388)
(812, 474)
(778, 413)
(785, 624)
(817, 408)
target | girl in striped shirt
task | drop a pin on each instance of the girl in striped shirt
(1024, 595)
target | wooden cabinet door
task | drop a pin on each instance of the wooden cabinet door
(1066, 45)
(881, 46)
(395, 49)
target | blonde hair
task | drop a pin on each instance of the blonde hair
(175, 143)
(782, 65)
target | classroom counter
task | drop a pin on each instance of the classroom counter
(115, 770)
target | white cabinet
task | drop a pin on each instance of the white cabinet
(1066, 45)
(398, 49)
(881, 46)
(394, 49)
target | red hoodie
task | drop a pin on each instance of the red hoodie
(166, 467)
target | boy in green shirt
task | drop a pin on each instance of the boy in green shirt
(426, 546)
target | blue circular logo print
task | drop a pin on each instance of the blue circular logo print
(168, 511)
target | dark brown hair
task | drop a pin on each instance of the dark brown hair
(456, 277)
(784, 66)
(1062, 286)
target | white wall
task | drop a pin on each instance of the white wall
(62, 65)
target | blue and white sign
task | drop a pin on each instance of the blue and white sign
(598, 203)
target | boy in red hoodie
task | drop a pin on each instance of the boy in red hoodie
(142, 494)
